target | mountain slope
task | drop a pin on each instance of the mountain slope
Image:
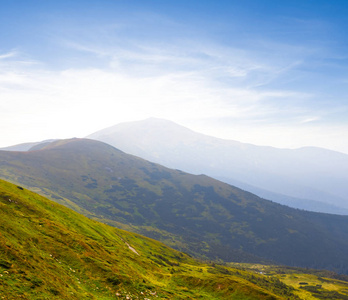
(304, 204)
(50, 252)
(197, 214)
(308, 173)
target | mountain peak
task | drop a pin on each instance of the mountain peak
(140, 127)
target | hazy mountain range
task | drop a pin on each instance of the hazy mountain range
(194, 213)
(309, 178)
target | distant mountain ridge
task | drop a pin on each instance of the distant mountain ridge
(27, 146)
(309, 173)
(196, 214)
(305, 204)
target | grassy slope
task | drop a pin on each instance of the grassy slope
(195, 214)
(308, 284)
(48, 251)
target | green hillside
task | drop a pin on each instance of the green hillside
(195, 214)
(50, 252)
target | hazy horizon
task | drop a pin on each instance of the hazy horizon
(257, 72)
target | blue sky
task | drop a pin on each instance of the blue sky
(264, 72)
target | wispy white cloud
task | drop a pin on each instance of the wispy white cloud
(8, 55)
(310, 119)
(224, 65)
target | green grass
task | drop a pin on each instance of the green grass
(48, 251)
(306, 283)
